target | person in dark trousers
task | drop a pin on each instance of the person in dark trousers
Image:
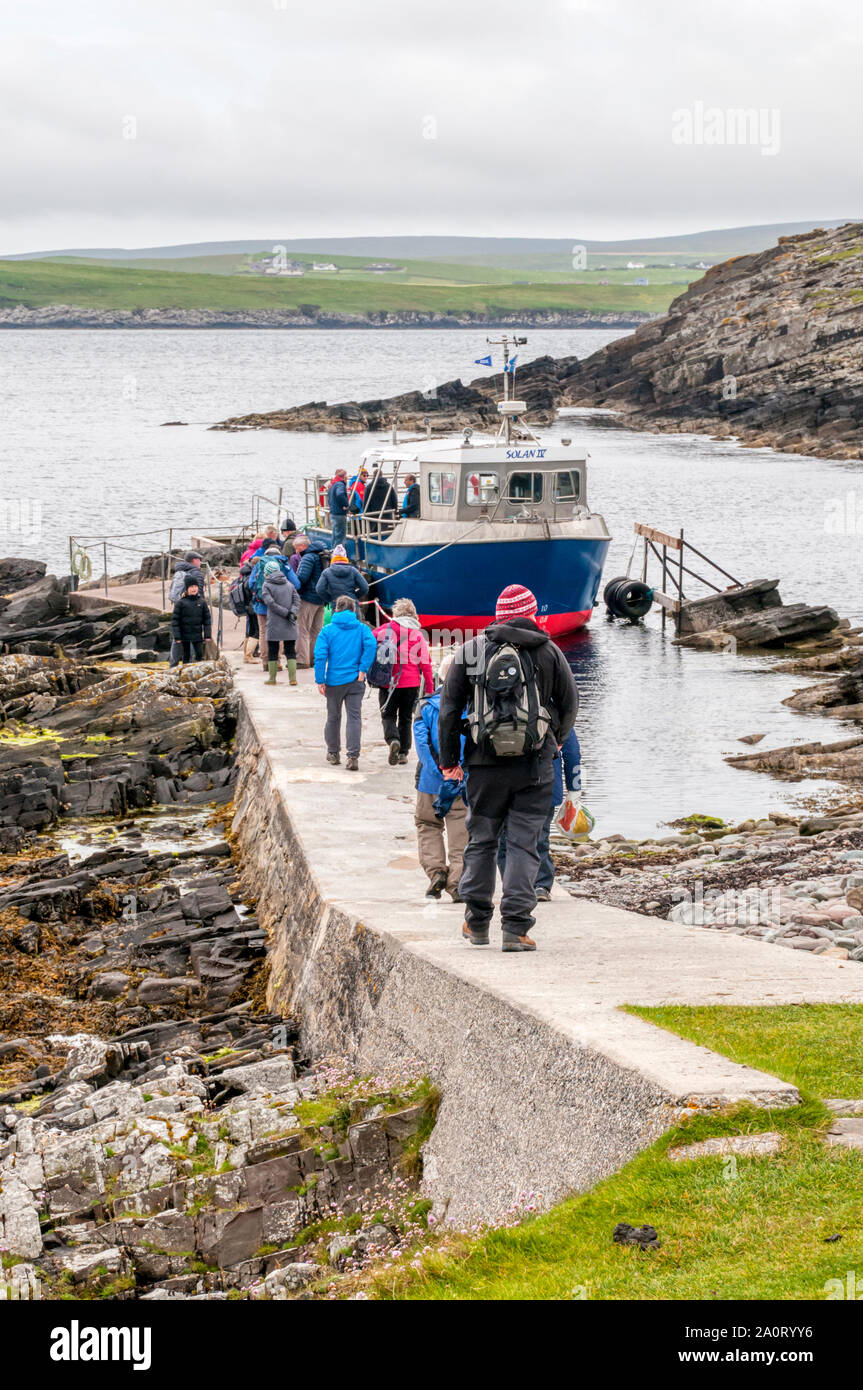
(411, 499)
(511, 793)
(341, 577)
(337, 502)
(343, 654)
(282, 599)
(411, 670)
(567, 776)
(307, 562)
(191, 624)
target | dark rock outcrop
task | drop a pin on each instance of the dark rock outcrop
(450, 406)
(766, 347)
(43, 619)
(18, 574)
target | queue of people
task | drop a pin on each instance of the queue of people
(495, 740)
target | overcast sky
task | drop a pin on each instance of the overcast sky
(549, 118)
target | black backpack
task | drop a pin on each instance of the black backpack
(238, 598)
(507, 716)
(381, 673)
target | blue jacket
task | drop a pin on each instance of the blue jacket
(343, 649)
(567, 764)
(426, 740)
(309, 571)
(337, 498)
(259, 559)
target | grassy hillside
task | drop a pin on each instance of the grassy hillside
(92, 285)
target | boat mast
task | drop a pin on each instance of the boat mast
(505, 343)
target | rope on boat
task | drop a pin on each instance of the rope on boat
(392, 574)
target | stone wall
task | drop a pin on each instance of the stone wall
(526, 1107)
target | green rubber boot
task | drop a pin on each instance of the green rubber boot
(272, 667)
(292, 671)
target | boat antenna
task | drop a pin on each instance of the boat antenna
(506, 343)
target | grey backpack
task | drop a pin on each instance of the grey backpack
(506, 715)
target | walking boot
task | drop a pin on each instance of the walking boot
(334, 759)
(476, 936)
(395, 752)
(292, 671)
(273, 668)
(513, 942)
(250, 647)
(353, 763)
(437, 885)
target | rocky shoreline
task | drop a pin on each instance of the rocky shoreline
(160, 1134)
(765, 349)
(793, 881)
(308, 316)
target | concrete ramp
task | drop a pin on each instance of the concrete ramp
(547, 1086)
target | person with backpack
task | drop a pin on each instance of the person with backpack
(191, 623)
(521, 703)
(341, 577)
(282, 599)
(567, 777)
(441, 804)
(270, 552)
(344, 652)
(190, 561)
(338, 505)
(404, 641)
(307, 563)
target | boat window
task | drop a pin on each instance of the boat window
(566, 485)
(481, 489)
(524, 487)
(442, 489)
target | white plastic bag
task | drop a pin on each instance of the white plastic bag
(574, 821)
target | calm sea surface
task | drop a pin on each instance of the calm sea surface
(84, 453)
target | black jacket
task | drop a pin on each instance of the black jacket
(379, 499)
(555, 681)
(192, 620)
(339, 579)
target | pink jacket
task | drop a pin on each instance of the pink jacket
(414, 658)
(256, 545)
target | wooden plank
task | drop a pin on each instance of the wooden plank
(666, 601)
(660, 537)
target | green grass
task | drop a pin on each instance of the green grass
(751, 1228)
(95, 286)
(817, 1047)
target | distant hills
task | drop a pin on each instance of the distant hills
(721, 242)
(370, 281)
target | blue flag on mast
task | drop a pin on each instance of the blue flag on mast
(510, 366)
(482, 361)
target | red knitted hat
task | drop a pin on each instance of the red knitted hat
(515, 602)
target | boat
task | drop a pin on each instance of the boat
(495, 509)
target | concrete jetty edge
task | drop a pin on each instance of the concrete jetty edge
(547, 1085)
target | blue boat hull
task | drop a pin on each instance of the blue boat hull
(458, 587)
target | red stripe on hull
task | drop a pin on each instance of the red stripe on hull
(555, 624)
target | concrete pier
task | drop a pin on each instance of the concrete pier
(547, 1086)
